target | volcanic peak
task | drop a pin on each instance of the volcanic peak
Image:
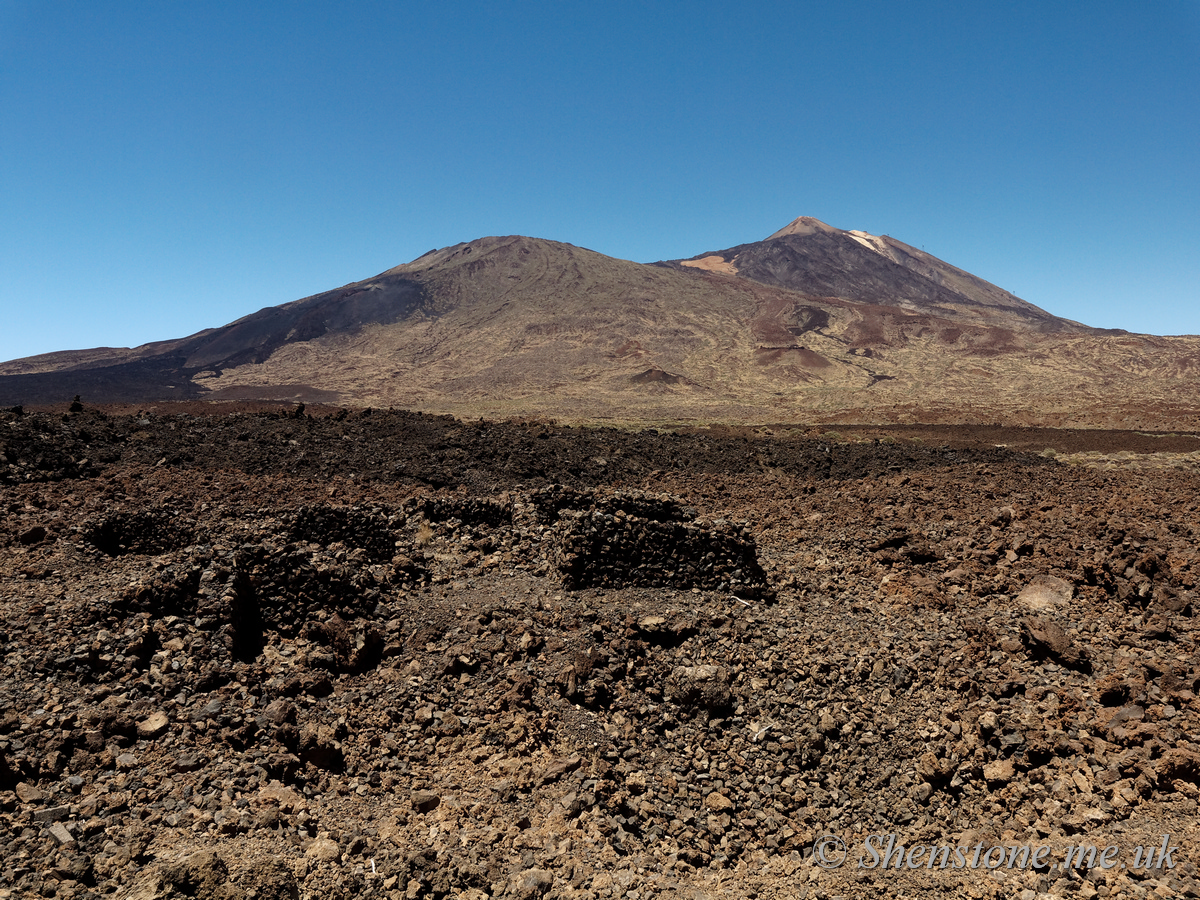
(803, 225)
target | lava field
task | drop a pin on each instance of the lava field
(277, 653)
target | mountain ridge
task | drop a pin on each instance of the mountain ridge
(815, 321)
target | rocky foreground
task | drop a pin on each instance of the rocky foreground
(273, 654)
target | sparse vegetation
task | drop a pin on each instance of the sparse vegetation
(1127, 459)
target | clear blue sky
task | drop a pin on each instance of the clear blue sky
(166, 167)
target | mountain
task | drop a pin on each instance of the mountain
(812, 323)
(809, 256)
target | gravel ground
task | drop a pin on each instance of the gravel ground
(275, 654)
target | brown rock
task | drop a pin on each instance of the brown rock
(718, 802)
(288, 798)
(425, 801)
(55, 762)
(559, 768)
(531, 883)
(957, 575)
(280, 712)
(323, 849)
(704, 686)
(320, 746)
(934, 770)
(1049, 638)
(1121, 720)
(51, 814)
(153, 725)
(189, 762)
(1178, 764)
(999, 772)
(1046, 592)
(355, 647)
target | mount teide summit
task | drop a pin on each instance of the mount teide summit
(813, 323)
(809, 256)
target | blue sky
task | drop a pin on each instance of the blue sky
(166, 167)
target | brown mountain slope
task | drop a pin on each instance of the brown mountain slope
(521, 326)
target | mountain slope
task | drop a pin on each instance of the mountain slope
(177, 369)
